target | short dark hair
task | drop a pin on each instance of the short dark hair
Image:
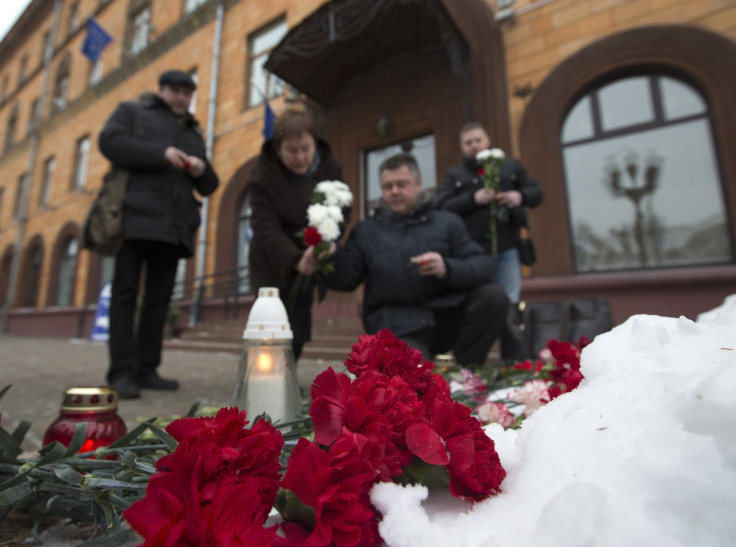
(469, 126)
(400, 160)
(293, 121)
(176, 77)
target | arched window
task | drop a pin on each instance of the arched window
(67, 271)
(33, 281)
(641, 172)
(245, 234)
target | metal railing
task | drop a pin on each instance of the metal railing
(225, 285)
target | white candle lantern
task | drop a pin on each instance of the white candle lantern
(267, 380)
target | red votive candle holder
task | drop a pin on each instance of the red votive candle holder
(95, 405)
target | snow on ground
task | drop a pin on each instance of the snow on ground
(643, 453)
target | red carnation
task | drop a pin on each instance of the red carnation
(217, 464)
(475, 468)
(385, 353)
(336, 485)
(481, 171)
(312, 236)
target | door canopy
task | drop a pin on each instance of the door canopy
(344, 38)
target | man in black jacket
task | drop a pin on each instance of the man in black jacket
(462, 192)
(160, 143)
(425, 278)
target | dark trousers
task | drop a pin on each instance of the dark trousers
(137, 353)
(469, 330)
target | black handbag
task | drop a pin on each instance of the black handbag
(527, 254)
(531, 325)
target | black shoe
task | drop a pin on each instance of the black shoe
(153, 381)
(126, 388)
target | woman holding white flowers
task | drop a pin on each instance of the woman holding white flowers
(280, 187)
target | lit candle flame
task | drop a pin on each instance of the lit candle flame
(264, 362)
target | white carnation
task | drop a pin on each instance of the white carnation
(317, 213)
(483, 155)
(328, 229)
(334, 213)
(335, 192)
(488, 154)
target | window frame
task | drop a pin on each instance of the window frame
(654, 85)
(249, 100)
(80, 171)
(47, 178)
(703, 59)
(136, 8)
(62, 78)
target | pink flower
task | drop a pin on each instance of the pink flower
(497, 413)
(470, 382)
(533, 395)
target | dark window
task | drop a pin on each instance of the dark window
(81, 162)
(261, 82)
(34, 277)
(61, 85)
(643, 184)
(73, 18)
(18, 193)
(67, 271)
(48, 175)
(10, 128)
(23, 68)
(139, 26)
(245, 235)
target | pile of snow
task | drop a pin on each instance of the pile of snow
(642, 453)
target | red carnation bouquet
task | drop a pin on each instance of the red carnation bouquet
(395, 421)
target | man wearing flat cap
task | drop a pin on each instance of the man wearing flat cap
(159, 142)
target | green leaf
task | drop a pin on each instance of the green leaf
(15, 494)
(419, 471)
(292, 509)
(193, 409)
(68, 475)
(9, 448)
(20, 431)
(132, 435)
(164, 437)
(90, 481)
(77, 440)
(4, 390)
(50, 453)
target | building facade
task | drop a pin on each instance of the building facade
(623, 110)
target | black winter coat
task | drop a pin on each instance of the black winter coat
(279, 199)
(379, 249)
(159, 203)
(459, 186)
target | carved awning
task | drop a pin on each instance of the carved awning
(344, 38)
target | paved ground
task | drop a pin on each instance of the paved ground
(40, 369)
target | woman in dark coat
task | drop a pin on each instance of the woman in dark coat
(280, 187)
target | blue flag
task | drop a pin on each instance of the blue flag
(96, 40)
(268, 118)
